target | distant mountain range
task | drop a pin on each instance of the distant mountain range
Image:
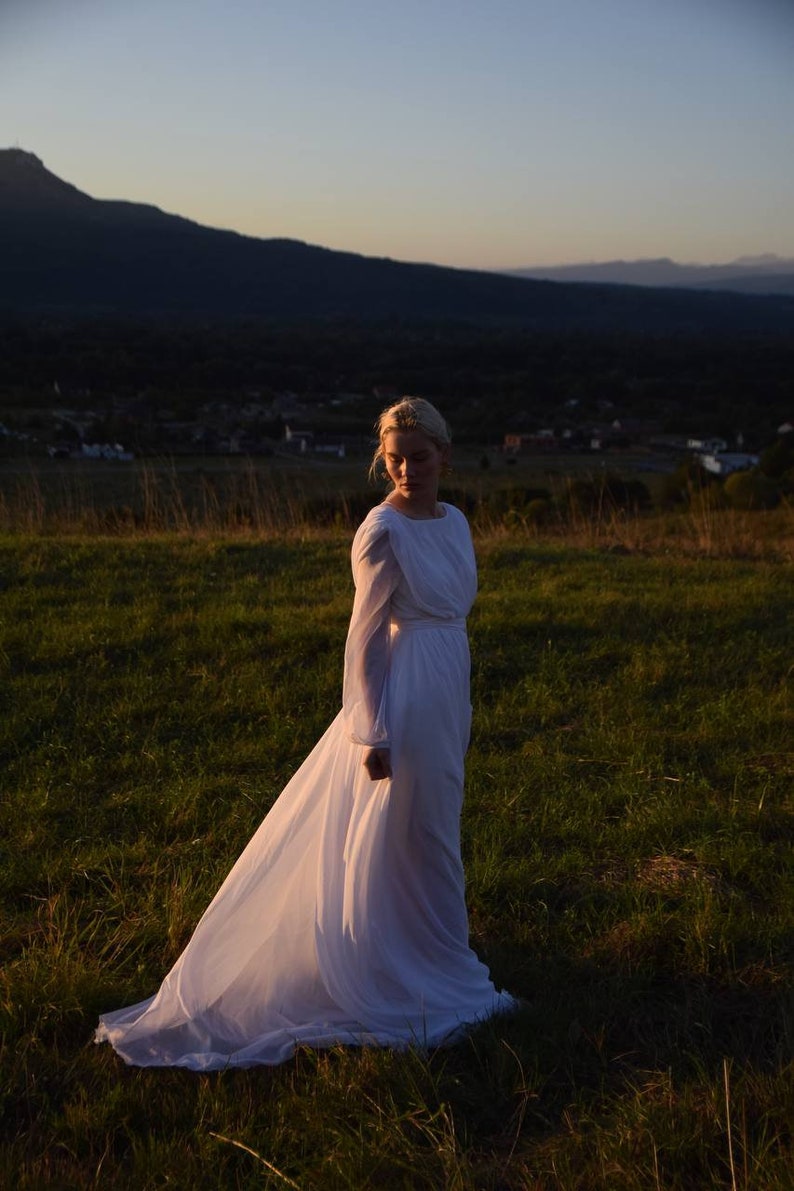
(766, 274)
(65, 253)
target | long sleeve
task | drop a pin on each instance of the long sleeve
(376, 574)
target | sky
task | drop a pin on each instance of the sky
(483, 134)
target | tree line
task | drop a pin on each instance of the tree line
(484, 378)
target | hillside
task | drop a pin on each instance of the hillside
(65, 252)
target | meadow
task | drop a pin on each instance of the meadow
(628, 835)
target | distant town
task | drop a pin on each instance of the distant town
(121, 430)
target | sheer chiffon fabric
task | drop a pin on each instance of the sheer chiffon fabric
(344, 919)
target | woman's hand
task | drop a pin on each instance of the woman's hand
(377, 763)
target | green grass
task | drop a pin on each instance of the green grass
(628, 833)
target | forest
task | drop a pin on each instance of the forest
(487, 379)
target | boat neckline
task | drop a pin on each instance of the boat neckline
(407, 517)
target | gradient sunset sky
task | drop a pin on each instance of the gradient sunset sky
(482, 134)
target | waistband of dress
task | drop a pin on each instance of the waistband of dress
(429, 622)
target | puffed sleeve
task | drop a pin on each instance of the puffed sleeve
(375, 575)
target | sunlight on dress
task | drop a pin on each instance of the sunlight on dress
(344, 919)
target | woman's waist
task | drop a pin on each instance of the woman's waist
(409, 624)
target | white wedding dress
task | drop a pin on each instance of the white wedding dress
(344, 919)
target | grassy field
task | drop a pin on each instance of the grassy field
(221, 493)
(628, 834)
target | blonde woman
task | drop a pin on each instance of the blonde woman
(344, 920)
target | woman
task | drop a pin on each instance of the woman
(344, 919)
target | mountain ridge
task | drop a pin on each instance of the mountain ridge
(745, 274)
(66, 252)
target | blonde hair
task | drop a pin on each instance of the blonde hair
(410, 413)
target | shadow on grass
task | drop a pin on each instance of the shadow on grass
(596, 1050)
(516, 1095)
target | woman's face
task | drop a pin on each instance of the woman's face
(414, 464)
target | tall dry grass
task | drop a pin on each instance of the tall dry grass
(694, 531)
(160, 499)
(254, 501)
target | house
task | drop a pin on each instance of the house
(331, 448)
(540, 440)
(723, 463)
(601, 437)
(103, 451)
(711, 446)
(298, 440)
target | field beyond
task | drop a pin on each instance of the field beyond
(628, 836)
